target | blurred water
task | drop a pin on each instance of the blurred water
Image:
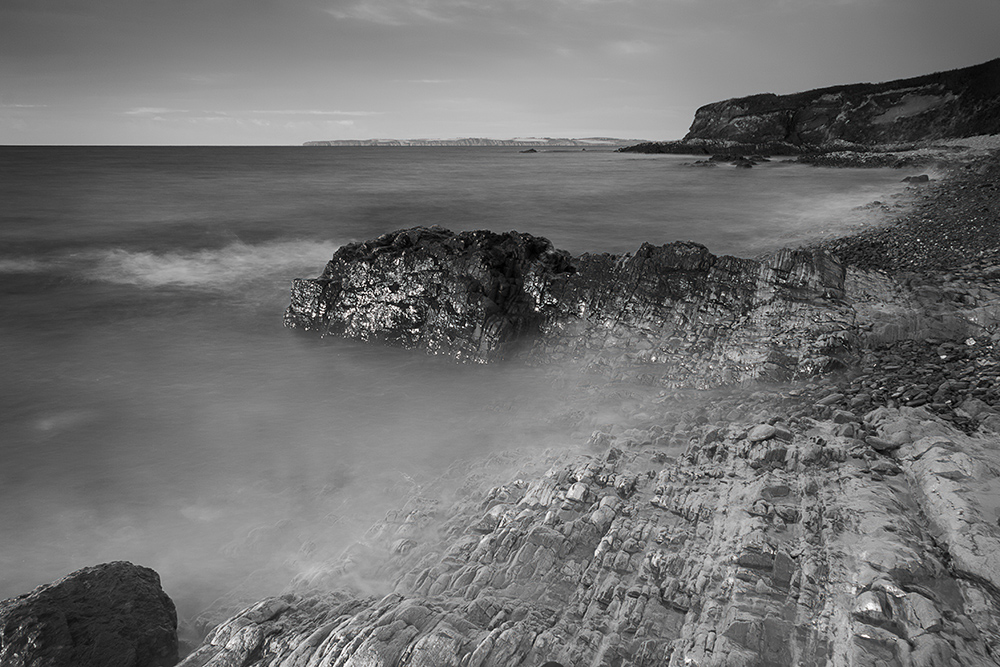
(152, 407)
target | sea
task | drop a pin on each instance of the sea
(153, 408)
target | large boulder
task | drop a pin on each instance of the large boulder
(110, 615)
(471, 295)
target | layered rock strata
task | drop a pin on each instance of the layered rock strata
(744, 533)
(115, 614)
(675, 314)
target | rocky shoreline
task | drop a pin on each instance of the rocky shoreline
(847, 515)
(846, 518)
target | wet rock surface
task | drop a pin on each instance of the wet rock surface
(473, 295)
(110, 615)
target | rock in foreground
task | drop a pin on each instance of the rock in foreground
(675, 314)
(110, 615)
(844, 539)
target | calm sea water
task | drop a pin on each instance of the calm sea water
(152, 407)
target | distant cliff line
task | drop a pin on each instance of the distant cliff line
(945, 105)
(524, 142)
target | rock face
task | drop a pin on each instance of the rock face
(110, 615)
(683, 315)
(956, 103)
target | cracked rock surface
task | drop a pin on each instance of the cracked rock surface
(712, 543)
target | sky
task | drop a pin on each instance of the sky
(266, 72)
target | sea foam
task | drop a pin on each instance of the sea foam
(217, 268)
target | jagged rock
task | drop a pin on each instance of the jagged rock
(684, 315)
(471, 295)
(110, 615)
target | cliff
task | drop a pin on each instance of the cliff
(957, 103)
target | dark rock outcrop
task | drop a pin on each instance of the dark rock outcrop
(110, 615)
(674, 313)
(473, 295)
(957, 103)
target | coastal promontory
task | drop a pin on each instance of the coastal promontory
(863, 116)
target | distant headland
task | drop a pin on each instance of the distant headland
(858, 117)
(520, 142)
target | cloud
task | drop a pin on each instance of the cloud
(146, 111)
(407, 12)
(369, 12)
(635, 47)
(314, 112)
(399, 12)
(23, 106)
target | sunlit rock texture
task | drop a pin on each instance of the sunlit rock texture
(110, 615)
(675, 314)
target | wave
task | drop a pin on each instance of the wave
(216, 268)
(21, 265)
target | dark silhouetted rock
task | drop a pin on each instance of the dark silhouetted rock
(110, 615)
